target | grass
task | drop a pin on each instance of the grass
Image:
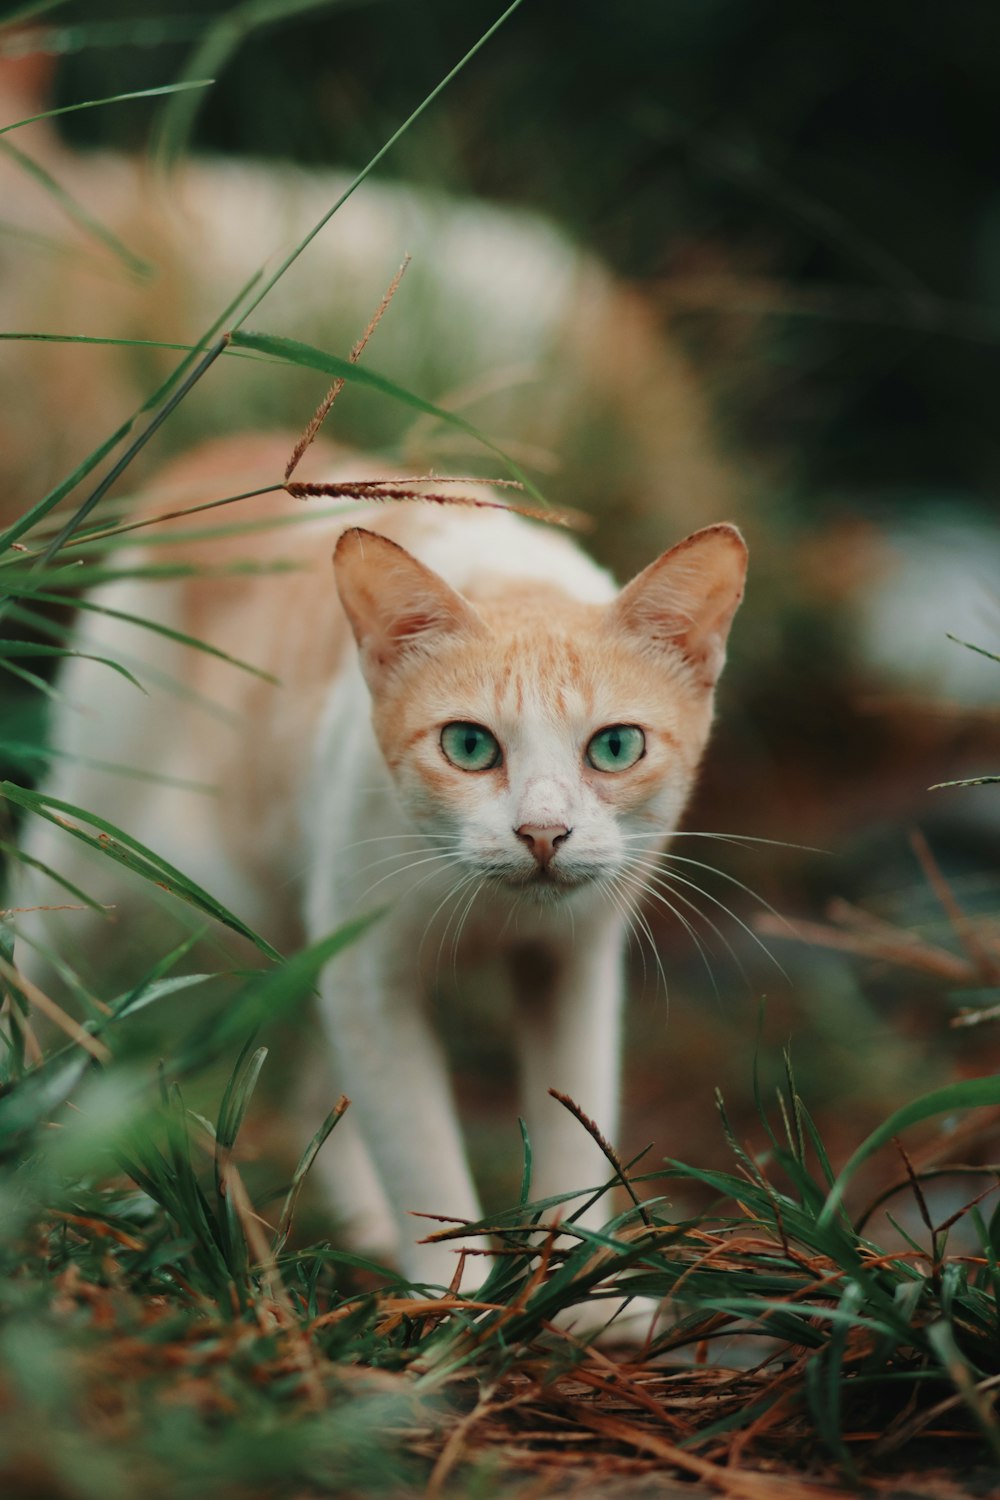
(162, 1330)
(172, 1338)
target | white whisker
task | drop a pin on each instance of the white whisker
(453, 891)
(685, 859)
(384, 838)
(463, 917)
(643, 882)
(647, 930)
(429, 859)
(729, 913)
(742, 840)
(654, 885)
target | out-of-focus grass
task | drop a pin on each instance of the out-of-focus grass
(159, 1331)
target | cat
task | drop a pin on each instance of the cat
(473, 728)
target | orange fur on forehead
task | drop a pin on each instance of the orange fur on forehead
(570, 660)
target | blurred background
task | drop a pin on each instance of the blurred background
(701, 260)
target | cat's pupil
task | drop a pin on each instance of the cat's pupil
(471, 741)
(615, 743)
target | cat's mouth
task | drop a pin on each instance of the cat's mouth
(547, 881)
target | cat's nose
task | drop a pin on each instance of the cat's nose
(543, 842)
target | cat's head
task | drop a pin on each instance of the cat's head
(550, 741)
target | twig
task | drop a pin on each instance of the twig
(323, 410)
(914, 1182)
(609, 1151)
(66, 1023)
(955, 1169)
(926, 958)
(389, 490)
(964, 929)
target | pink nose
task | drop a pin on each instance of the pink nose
(543, 842)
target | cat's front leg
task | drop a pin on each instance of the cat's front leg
(568, 1002)
(391, 1065)
(569, 1005)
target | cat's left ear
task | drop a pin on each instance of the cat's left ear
(686, 600)
(396, 605)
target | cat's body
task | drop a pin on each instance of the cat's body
(493, 761)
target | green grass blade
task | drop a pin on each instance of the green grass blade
(86, 338)
(238, 1093)
(69, 109)
(267, 997)
(9, 648)
(956, 1366)
(33, 680)
(150, 993)
(968, 781)
(170, 392)
(182, 380)
(292, 352)
(525, 1193)
(305, 1163)
(222, 38)
(971, 1093)
(81, 216)
(43, 596)
(177, 395)
(370, 166)
(115, 844)
(28, 754)
(970, 646)
(14, 852)
(42, 507)
(27, 12)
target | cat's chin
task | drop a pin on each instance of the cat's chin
(545, 886)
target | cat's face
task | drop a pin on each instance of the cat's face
(549, 741)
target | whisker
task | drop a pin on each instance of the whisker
(655, 891)
(609, 885)
(382, 838)
(460, 884)
(444, 853)
(740, 839)
(648, 932)
(688, 926)
(429, 859)
(685, 859)
(729, 913)
(461, 924)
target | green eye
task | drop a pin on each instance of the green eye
(470, 747)
(616, 748)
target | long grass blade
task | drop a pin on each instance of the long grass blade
(293, 352)
(69, 109)
(971, 1093)
(115, 844)
(75, 211)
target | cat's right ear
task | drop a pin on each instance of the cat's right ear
(686, 599)
(396, 606)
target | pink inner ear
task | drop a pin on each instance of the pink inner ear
(392, 599)
(686, 600)
(415, 623)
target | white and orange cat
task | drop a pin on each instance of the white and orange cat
(472, 726)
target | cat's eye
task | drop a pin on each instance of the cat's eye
(616, 748)
(470, 747)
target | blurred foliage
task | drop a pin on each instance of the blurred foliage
(161, 1334)
(841, 162)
